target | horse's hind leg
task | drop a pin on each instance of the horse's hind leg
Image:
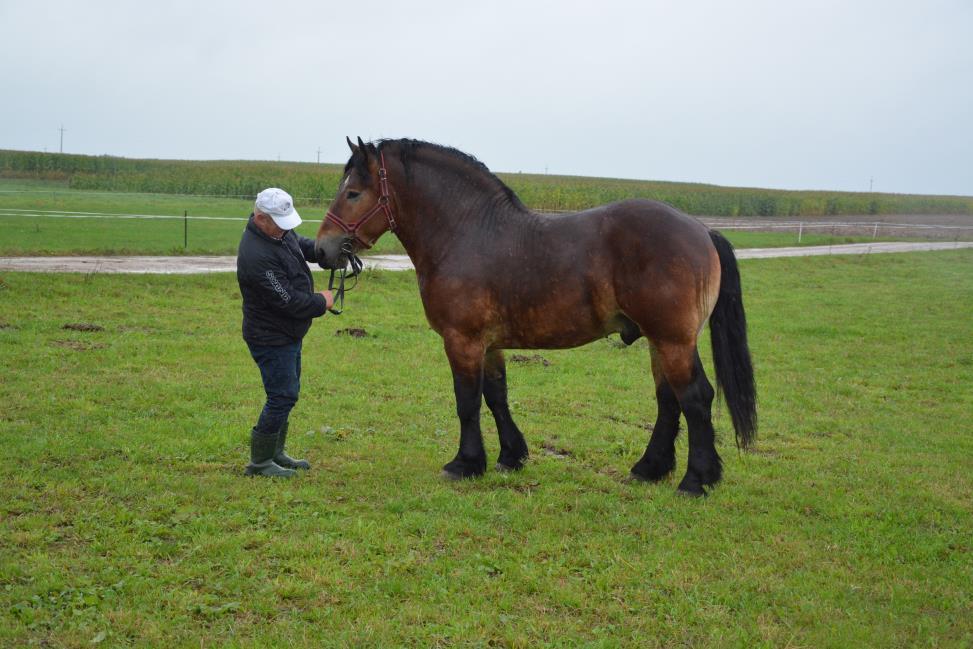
(466, 361)
(659, 458)
(684, 372)
(513, 448)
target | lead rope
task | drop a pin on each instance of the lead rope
(356, 267)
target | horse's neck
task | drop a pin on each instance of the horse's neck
(458, 220)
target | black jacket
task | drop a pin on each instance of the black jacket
(277, 288)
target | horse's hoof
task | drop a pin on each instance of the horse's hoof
(654, 469)
(691, 488)
(686, 493)
(459, 470)
(511, 462)
(635, 477)
(450, 476)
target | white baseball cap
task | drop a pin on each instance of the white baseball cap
(278, 205)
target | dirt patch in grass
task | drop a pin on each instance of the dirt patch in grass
(354, 332)
(555, 451)
(526, 487)
(621, 420)
(78, 345)
(82, 326)
(530, 360)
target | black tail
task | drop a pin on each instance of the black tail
(731, 354)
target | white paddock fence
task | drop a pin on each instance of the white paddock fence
(872, 229)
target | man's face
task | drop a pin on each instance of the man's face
(267, 224)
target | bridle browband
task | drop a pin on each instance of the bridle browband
(384, 204)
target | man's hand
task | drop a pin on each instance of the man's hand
(328, 298)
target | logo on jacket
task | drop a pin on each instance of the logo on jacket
(277, 287)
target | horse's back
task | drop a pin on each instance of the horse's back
(634, 233)
(636, 221)
(646, 218)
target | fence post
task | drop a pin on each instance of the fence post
(185, 229)
(875, 231)
(800, 231)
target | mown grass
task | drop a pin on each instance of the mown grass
(39, 234)
(317, 182)
(125, 518)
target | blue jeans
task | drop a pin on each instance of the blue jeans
(280, 369)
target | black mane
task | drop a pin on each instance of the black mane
(408, 149)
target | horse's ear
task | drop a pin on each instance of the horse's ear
(351, 145)
(363, 147)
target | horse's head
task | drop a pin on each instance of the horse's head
(363, 193)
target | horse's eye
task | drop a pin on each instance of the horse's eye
(353, 194)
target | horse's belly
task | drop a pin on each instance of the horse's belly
(574, 312)
(551, 333)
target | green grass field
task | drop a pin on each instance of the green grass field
(25, 229)
(125, 518)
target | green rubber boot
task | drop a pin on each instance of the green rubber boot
(262, 449)
(282, 458)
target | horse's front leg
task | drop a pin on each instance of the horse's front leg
(513, 448)
(466, 360)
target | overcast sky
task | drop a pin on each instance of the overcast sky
(806, 95)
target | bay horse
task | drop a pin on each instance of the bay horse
(494, 275)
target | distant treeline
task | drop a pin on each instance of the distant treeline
(315, 183)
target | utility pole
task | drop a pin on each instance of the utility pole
(62, 138)
(319, 155)
(870, 182)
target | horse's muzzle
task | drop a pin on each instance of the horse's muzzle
(333, 252)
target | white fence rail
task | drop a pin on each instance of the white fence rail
(60, 214)
(874, 229)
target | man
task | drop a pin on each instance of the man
(278, 304)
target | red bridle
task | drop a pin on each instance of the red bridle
(384, 204)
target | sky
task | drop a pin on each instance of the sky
(841, 95)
